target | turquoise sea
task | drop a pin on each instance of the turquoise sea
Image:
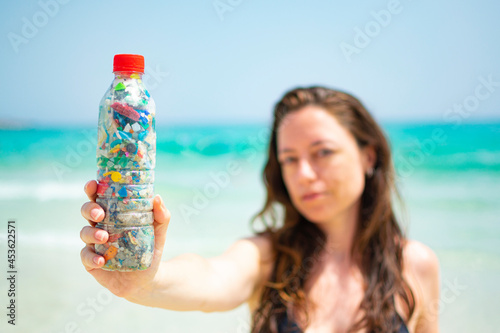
(449, 178)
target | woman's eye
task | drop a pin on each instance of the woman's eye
(324, 152)
(287, 160)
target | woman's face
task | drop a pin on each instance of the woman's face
(322, 166)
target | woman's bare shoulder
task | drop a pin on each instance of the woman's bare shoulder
(421, 270)
(263, 245)
(420, 261)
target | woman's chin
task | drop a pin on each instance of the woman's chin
(318, 216)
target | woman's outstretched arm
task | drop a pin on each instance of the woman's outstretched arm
(188, 282)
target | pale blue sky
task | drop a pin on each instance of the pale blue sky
(430, 56)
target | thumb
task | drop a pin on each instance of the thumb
(160, 224)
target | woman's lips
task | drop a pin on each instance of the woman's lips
(311, 196)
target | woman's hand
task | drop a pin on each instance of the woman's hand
(122, 284)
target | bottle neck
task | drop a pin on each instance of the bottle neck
(128, 74)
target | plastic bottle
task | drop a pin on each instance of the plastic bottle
(126, 154)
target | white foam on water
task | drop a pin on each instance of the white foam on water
(486, 158)
(43, 191)
(46, 240)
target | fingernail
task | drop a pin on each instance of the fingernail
(95, 213)
(96, 260)
(99, 236)
(86, 184)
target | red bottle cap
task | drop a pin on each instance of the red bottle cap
(128, 63)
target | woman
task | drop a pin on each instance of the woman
(338, 262)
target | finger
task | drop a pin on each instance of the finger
(90, 189)
(162, 219)
(91, 235)
(92, 212)
(90, 259)
(161, 213)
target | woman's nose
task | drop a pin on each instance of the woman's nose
(306, 171)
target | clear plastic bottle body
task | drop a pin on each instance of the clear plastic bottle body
(126, 157)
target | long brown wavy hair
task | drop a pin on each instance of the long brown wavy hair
(297, 243)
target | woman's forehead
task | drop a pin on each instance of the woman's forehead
(309, 125)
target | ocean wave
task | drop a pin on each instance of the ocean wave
(479, 157)
(450, 161)
(47, 240)
(43, 191)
